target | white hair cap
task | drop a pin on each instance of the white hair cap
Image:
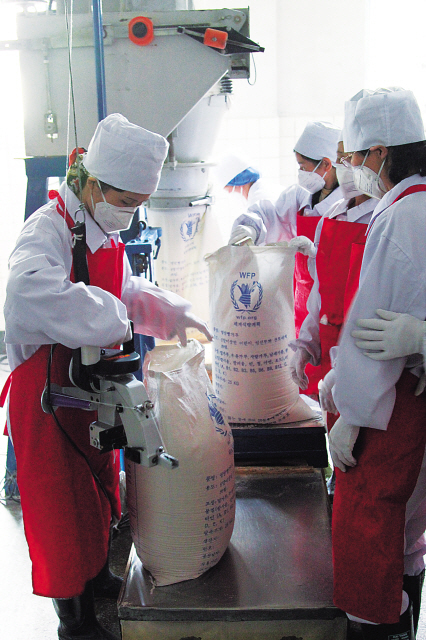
(125, 155)
(388, 117)
(227, 168)
(318, 140)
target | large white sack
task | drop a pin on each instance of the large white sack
(252, 319)
(182, 519)
(188, 234)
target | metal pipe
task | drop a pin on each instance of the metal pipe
(98, 32)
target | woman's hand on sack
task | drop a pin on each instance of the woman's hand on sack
(243, 232)
(298, 362)
(303, 245)
(190, 321)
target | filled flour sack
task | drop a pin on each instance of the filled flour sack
(188, 234)
(182, 519)
(252, 319)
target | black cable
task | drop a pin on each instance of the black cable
(71, 78)
(65, 433)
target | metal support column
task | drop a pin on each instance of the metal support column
(98, 34)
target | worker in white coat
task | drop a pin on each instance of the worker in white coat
(296, 213)
(338, 260)
(316, 191)
(244, 186)
(378, 443)
(69, 490)
(236, 175)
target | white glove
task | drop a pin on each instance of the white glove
(302, 244)
(325, 394)
(341, 439)
(243, 232)
(394, 336)
(298, 362)
(186, 321)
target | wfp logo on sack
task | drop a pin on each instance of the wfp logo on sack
(246, 296)
(189, 228)
(216, 414)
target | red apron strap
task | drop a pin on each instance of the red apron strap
(352, 283)
(306, 226)
(415, 188)
(5, 390)
(61, 208)
(3, 396)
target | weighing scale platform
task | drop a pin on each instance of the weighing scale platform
(274, 582)
(281, 444)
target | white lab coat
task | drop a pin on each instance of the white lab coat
(44, 307)
(393, 276)
(309, 337)
(262, 190)
(278, 222)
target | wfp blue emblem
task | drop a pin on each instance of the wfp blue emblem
(189, 228)
(215, 413)
(246, 296)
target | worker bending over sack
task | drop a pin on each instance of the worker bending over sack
(340, 237)
(378, 443)
(67, 514)
(297, 212)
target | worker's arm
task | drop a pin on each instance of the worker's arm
(43, 306)
(309, 338)
(158, 312)
(275, 222)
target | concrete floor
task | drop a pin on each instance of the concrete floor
(25, 616)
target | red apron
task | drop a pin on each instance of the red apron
(306, 226)
(369, 507)
(66, 515)
(333, 264)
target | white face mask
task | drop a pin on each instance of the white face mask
(111, 218)
(368, 181)
(310, 180)
(345, 178)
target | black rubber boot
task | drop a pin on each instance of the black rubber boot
(107, 584)
(78, 619)
(402, 630)
(413, 586)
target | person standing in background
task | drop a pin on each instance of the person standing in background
(296, 213)
(337, 265)
(378, 442)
